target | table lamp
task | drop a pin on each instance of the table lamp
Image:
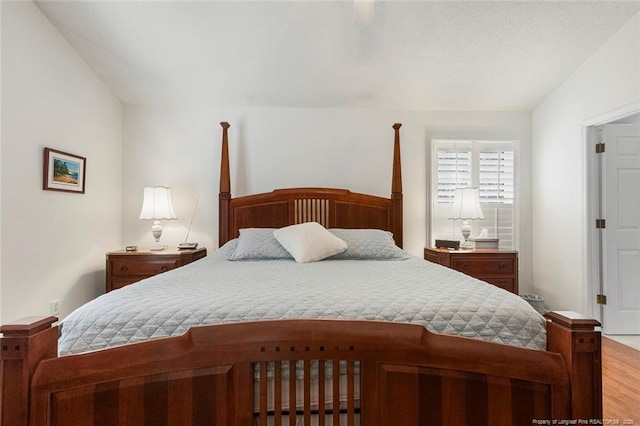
(466, 206)
(156, 205)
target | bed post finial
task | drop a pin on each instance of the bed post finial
(396, 187)
(225, 188)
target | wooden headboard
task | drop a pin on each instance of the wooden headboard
(333, 208)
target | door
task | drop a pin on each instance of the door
(621, 239)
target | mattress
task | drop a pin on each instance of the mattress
(217, 290)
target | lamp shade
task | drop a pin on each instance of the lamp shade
(466, 204)
(156, 203)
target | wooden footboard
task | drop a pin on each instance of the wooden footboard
(390, 374)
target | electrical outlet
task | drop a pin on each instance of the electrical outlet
(54, 307)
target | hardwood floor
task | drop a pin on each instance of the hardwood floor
(620, 383)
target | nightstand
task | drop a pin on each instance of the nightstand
(126, 267)
(498, 267)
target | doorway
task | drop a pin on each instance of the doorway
(614, 220)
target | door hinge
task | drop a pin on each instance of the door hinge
(600, 224)
(601, 299)
(600, 148)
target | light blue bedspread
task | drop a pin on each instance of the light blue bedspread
(216, 290)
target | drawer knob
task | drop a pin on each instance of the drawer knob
(124, 268)
(465, 265)
(502, 265)
(164, 268)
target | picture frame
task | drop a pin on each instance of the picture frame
(63, 171)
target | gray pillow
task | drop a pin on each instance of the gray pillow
(368, 244)
(258, 243)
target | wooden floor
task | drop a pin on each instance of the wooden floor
(620, 383)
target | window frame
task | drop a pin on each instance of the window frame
(475, 146)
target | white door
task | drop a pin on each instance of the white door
(621, 240)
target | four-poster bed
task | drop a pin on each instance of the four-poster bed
(239, 373)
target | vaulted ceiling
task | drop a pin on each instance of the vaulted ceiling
(451, 55)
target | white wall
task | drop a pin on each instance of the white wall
(53, 244)
(608, 80)
(279, 147)
(0, 171)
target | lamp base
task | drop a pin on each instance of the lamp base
(156, 230)
(466, 231)
(467, 245)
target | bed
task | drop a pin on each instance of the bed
(370, 356)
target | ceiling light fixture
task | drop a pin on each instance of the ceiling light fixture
(364, 12)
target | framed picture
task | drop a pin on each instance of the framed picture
(63, 171)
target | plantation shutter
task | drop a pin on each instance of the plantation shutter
(496, 189)
(495, 177)
(454, 171)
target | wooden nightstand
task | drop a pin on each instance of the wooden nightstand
(497, 267)
(126, 267)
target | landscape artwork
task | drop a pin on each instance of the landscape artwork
(63, 171)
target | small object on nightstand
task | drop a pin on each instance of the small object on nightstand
(131, 248)
(448, 244)
(485, 243)
(187, 246)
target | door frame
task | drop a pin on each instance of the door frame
(594, 247)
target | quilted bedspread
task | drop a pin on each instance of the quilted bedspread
(217, 290)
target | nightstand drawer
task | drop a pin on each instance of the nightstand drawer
(480, 265)
(130, 267)
(505, 283)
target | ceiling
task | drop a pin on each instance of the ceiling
(452, 55)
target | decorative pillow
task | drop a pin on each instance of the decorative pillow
(373, 244)
(309, 242)
(227, 249)
(258, 243)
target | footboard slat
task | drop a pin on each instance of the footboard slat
(336, 392)
(264, 382)
(292, 393)
(277, 385)
(351, 395)
(321, 393)
(307, 392)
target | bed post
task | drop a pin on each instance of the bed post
(574, 337)
(396, 188)
(24, 344)
(225, 188)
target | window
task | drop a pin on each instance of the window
(489, 166)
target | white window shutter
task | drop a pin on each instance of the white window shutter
(495, 178)
(454, 171)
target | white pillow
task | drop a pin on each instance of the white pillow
(309, 242)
